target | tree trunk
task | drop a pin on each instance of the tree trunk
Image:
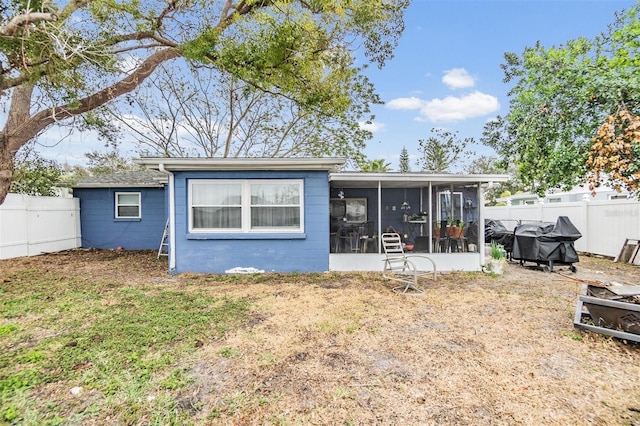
(6, 171)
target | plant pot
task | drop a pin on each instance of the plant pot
(454, 231)
(496, 266)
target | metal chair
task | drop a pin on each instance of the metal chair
(398, 267)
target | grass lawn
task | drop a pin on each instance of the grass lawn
(103, 337)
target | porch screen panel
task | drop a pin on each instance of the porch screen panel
(216, 205)
(275, 205)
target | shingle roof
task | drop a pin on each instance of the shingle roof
(144, 178)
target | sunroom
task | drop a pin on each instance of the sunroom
(439, 215)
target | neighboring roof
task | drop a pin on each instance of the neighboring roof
(400, 180)
(133, 179)
(188, 164)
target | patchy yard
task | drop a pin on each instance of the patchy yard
(102, 337)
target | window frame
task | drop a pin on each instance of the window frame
(245, 207)
(117, 204)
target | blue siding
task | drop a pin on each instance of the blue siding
(101, 230)
(308, 252)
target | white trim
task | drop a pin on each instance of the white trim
(172, 222)
(245, 206)
(116, 205)
(190, 164)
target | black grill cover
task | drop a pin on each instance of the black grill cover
(546, 241)
(494, 230)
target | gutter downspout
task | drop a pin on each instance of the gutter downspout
(172, 218)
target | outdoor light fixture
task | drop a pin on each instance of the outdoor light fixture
(341, 194)
(405, 204)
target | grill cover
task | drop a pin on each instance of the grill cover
(546, 241)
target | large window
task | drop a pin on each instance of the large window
(128, 205)
(246, 206)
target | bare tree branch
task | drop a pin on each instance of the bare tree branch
(28, 17)
(30, 128)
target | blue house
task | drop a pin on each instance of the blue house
(289, 214)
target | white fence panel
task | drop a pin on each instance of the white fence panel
(33, 225)
(604, 225)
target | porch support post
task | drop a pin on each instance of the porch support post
(481, 223)
(379, 215)
(431, 218)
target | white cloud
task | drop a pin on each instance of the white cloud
(372, 127)
(458, 78)
(453, 108)
(405, 103)
(127, 63)
(449, 109)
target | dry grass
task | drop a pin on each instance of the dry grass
(340, 348)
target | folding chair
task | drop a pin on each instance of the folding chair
(398, 267)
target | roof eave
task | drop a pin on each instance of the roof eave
(416, 177)
(199, 164)
(119, 185)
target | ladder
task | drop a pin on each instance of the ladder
(164, 243)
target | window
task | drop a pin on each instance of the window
(128, 205)
(245, 206)
(349, 210)
(618, 197)
(450, 205)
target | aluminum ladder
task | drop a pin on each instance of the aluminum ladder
(164, 243)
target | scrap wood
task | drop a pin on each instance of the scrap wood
(583, 280)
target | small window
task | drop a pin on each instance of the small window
(555, 200)
(618, 197)
(128, 205)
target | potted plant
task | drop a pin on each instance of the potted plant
(437, 229)
(497, 259)
(450, 226)
(457, 230)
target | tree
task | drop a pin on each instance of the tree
(102, 163)
(375, 166)
(560, 98)
(491, 165)
(404, 166)
(203, 112)
(62, 61)
(35, 175)
(615, 154)
(443, 150)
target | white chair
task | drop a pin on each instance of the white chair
(398, 267)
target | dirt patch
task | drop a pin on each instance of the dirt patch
(340, 348)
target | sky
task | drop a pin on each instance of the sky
(445, 72)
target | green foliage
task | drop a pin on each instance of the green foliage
(497, 251)
(375, 166)
(560, 97)
(404, 166)
(121, 343)
(443, 151)
(35, 175)
(75, 60)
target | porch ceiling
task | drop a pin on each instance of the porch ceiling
(408, 180)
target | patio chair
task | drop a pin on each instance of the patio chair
(398, 267)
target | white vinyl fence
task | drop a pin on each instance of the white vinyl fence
(36, 225)
(604, 225)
